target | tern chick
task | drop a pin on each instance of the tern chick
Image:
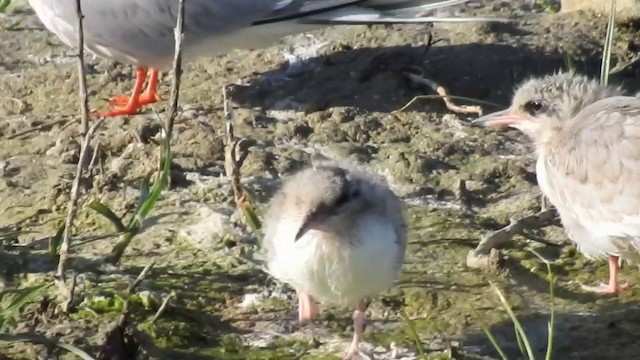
(337, 234)
(587, 137)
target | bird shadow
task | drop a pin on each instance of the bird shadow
(373, 79)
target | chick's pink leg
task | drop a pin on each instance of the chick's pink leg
(358, 330)
(307, 307)
(613, 287)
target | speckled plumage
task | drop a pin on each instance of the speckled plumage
(353, 253)
(587, 137)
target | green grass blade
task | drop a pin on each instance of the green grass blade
(251, 218)
(489, 335)
(156, 190)
(12, 235)
(104, 210)
(414, 335)
(56, 240)
(145, 208)
(4, 4)
(144, 192)
(520, 342)
(515, 321)
(7, 339)
(608, 43)
(552, 317)
(568, 62)
(22, 297)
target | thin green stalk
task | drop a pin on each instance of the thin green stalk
(608, 43)
(7, 339)
(4, 4)
(552, 317)
(488, 333)
(515, 321)
(414, 335)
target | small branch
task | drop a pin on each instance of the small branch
(484, 254)
(35, 128)
(82, 76)
(232, 165)
(461, 109)
(72, 208)
(163, 306)
(115, 342)
(463, 195)
(177, 71)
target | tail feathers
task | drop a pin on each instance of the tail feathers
(391, 12)
(409, 6)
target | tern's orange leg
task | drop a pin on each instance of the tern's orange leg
(613, 287)
(149, 96)
(133, 103)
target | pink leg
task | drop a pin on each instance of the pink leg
(307, 307)
(613, 287)
(358, 330)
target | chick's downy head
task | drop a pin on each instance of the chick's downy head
(542, 106)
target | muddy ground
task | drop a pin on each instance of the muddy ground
(288, 99)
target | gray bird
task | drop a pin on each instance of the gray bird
(587, 137)
(140, 32)
(338, 235)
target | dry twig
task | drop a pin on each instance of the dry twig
(163, 306)
(35, 128)
(463, 195)
(72, 209)
(461, 109)
(177, 71)
(232, 164)
(115, 345)
(484, 255)
(82, 76)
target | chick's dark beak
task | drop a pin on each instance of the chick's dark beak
(311, 221)
(498, 119)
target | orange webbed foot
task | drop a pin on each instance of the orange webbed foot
(144, 99)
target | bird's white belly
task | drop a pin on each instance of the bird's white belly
(593, 239)
(334, 271)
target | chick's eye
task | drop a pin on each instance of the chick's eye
(342, 199)
(533, 107)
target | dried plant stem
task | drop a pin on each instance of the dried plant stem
(232, 164)
(82, 76)
(485, 255)
(442, 92)
(115, 339)
(163, 307)
(72, 208)
(177, 71)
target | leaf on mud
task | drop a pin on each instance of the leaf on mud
(17, 299)
(56, 240)
(7, 339)
(4, 4)
(103, 210)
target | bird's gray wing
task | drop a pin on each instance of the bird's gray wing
(595, 172)
(144, 28)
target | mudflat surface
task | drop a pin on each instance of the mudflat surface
(337, 90)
